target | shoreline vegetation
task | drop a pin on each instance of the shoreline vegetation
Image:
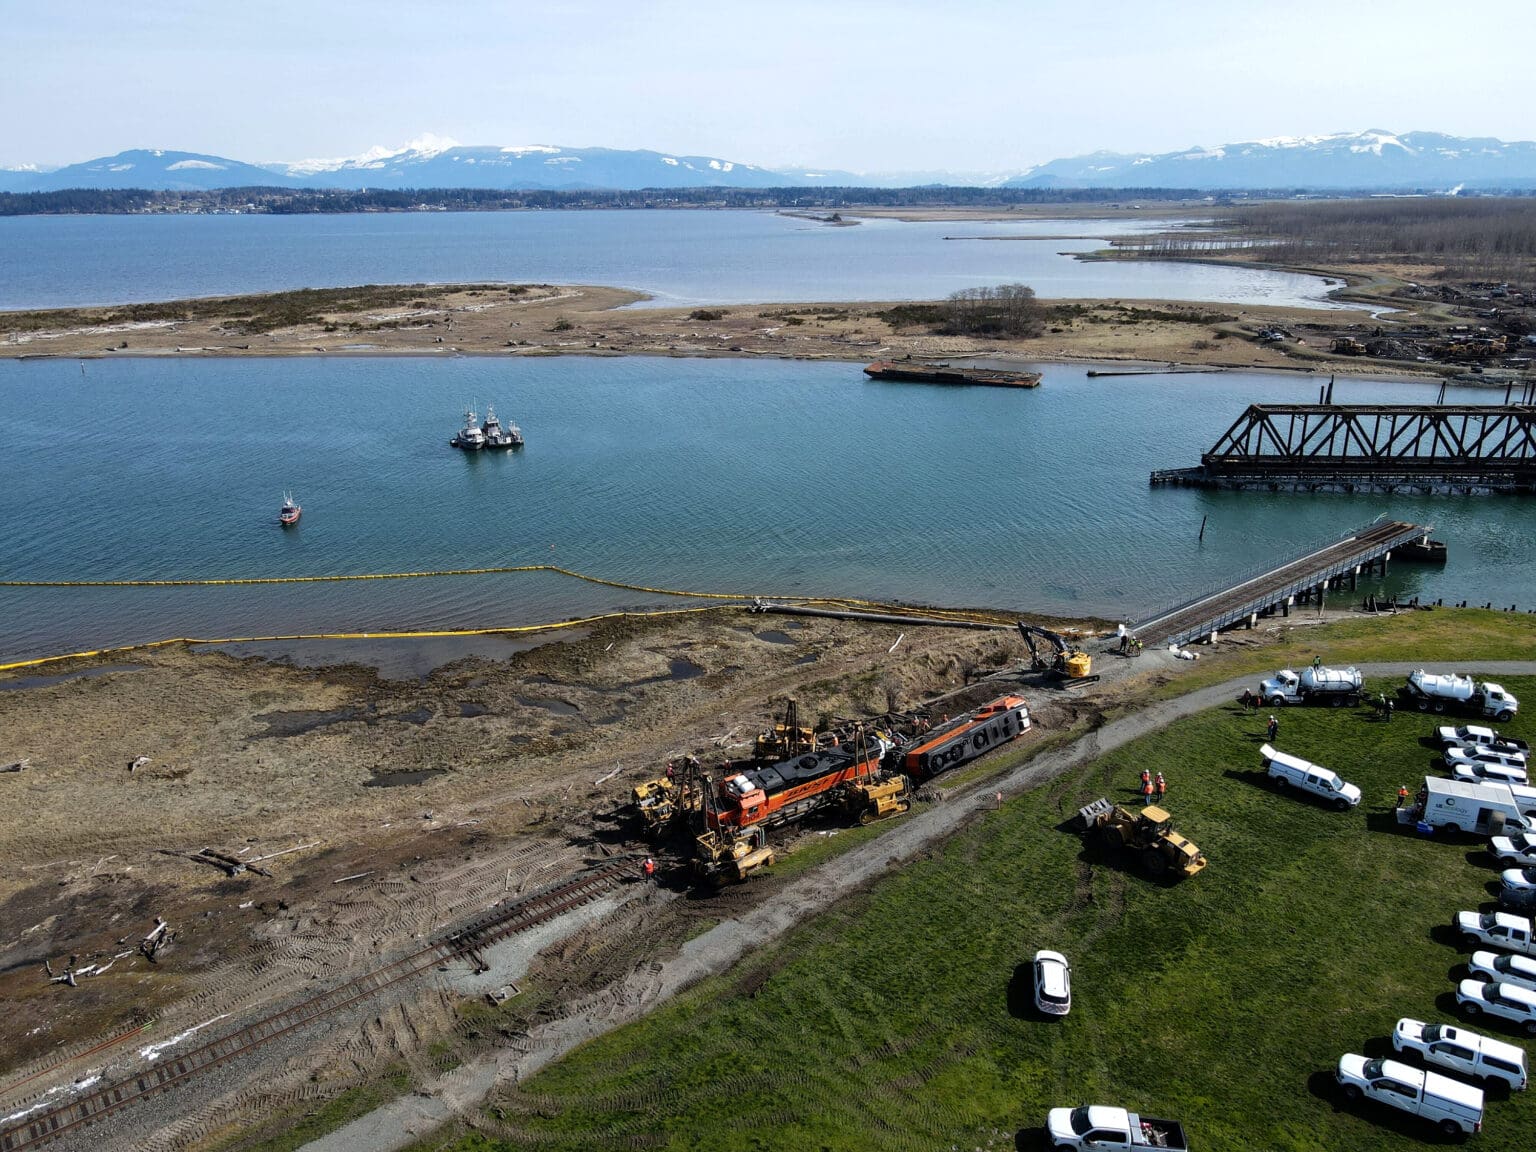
(1457, 314)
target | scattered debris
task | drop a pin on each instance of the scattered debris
(159, 938)
(139, 762)
(354, 876)
(18, 766)
(609, 776)
(284, 852)
(501, 995)
(899, 639)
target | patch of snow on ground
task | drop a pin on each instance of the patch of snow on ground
(195, 164)
(152, 1051)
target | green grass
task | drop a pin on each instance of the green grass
(1448, 637)
(895, 1020)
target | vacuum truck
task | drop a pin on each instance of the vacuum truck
(1428, 691)
(1315, 685)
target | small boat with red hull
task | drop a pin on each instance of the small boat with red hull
(290, 512)
(917, 372)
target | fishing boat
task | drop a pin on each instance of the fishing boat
(499, 435)
(470, 437)
(917, 372)
(288, 515)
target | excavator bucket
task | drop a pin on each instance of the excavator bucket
(1090, 814)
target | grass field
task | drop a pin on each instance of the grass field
(899, 1021)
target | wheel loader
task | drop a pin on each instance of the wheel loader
(1147, 834)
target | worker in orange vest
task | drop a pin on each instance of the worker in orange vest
(1162, 786)
(1402, 795)
(1146, 792)
(650, 868)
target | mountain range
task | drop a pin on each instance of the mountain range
(1373, 159)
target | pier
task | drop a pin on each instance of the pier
(1304, 579)
(1461, 449)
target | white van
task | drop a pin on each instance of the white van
(1287, 770)
(1462, 1050)
(1479, 806)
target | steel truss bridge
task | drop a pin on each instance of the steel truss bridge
(1372, 447)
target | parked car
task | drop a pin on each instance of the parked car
(1474, 735)
(1519, 848)
(1520, 902)
(1517, 879)
(1105, 1129)
(1491, 773)
(1508, 969)
(1507, 1001)
(1292, 771)
(1473, 754)
(1499, 929)
(1456, 1107)
(1462, 1050)
(1053, 983)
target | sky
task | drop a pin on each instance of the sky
(889, 86)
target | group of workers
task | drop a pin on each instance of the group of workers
(1152, 786)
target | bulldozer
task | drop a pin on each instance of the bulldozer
(786, 738)
(1147, 834)
(725, 858)
(1071, 665)
(868, 802)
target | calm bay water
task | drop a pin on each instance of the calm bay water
(681, 257)
(755, 477)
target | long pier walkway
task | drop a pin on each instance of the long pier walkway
(1277, 589)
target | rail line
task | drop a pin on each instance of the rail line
(497, 924)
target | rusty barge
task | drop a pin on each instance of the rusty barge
(917, 372)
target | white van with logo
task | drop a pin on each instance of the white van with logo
(1292, 771)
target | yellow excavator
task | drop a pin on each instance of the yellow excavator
(1071, 665)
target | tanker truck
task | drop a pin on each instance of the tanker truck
(1428, 691)
(1315, 685)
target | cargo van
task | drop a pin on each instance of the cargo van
(1292, 771)
(1479, 806)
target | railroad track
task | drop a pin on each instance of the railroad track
(485, 930)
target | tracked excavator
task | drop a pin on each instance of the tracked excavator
(1068, 664)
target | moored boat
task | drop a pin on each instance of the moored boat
(917, 372)
(470, 437)
(288, 515)
(499, 435)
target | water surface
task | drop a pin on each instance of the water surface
(748, 477)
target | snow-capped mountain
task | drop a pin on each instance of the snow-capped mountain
(154, 168)
(432, 162)
(1370, 159)
(1346, 160)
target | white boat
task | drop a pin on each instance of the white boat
(499, 435)
(470, 437)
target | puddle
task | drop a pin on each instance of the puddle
(298, 722)
(403, 779)
(558, 707)
(470, 708)
(775, 637)
(24, 682)
(680, 670)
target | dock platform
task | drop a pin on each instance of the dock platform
(1277, 589)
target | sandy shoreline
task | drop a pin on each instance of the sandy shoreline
(546, 320)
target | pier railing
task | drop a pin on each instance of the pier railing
(1231, 612)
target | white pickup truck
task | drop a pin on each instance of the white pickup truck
(1096, 1126)
(1454, 1106)
(1498, 929)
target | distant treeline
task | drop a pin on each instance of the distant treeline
(1481, 238)
(289, 200)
